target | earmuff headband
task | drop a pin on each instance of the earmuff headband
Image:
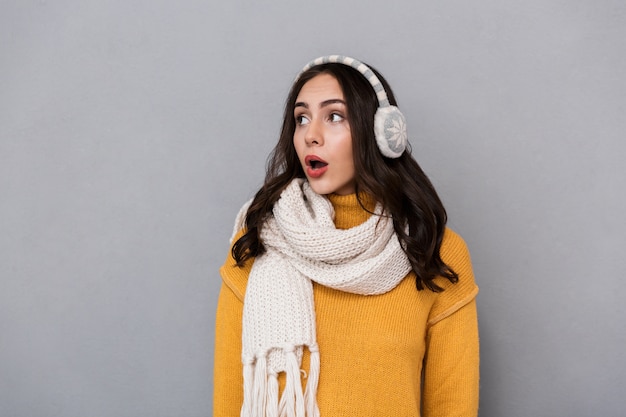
(389, 122)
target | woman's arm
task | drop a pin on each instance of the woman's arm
(228, 372)
(451, 366)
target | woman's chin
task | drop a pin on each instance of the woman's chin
(324, 188)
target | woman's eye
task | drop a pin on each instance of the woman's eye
(336, 117)
(301, 120)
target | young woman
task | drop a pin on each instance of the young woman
(344, 294)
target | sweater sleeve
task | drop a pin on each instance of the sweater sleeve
(451, 364)
(227, 366)
(451, 367)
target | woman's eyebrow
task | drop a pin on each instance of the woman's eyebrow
(332, 101)
(322, 104)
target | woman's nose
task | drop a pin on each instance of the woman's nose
(314, 134)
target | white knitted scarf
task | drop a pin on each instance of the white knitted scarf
(303, 245)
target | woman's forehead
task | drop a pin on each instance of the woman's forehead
(320, 88)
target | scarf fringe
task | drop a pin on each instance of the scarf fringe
(310, 393)
(292, 401)
(248, 387)
(271, 407)
(261, 388)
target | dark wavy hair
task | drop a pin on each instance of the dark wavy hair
(400, 185)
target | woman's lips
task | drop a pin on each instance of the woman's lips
(315, 166)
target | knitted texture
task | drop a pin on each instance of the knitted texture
(374, 348)
(303, 245)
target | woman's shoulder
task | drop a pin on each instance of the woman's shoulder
(233, 275)
(455, 254)
(452, 239)
(240, 222)
(454, 251)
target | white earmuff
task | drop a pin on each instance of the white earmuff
(389, 122)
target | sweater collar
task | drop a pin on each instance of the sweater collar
(348, 211)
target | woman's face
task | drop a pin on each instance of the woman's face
(322, 138)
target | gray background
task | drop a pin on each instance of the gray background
(131, 132)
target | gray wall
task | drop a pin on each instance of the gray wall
(130, 133)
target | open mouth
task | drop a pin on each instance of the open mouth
(315, 162)
(315, 166)
(318, 164)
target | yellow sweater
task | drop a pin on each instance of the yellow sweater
(406, 353)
